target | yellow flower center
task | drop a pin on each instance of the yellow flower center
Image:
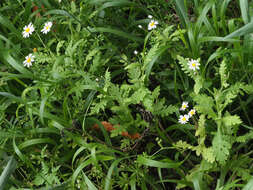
(34, 49)
(152, 24)
(27, 30)
(47, 27)
(184, 119)
(29, 60)
(194, 64)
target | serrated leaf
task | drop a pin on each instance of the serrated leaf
(223, 74)
(107, 80)
(208, 154)
(245, 138)
(184, 65)
(204, 105)
(221, 148)
(183, 145)
(198, 83)
(201, 128)
(231, 120)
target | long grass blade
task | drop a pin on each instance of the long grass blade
(244, 6)
(8, 170)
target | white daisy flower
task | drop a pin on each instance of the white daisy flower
(184, 106)
(29, 60)
(28, 30)
(135, 52)
(140, 26)
(183, 119)
(191, 112)
(194, 64)
(150, 16)
(47, 27)
(152, 24)
(59, 1)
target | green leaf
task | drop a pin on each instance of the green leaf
(61, 12)
(204, 104)
(181, 10)
(223, 73)
(153, 163)
(8, 170)
(231, 120)
(208, 154)
(152, 57)
(117, 32)
(108, 179)
(221, 148)
(79, 169)
(244, 6)
(249, 185)
(199, 81)
(35, 142)
(9, 59)
(246, 29)
(89, 183)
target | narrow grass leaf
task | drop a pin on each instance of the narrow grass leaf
(149, 65)
(249, 185)
(8, 24)
(153, 163)
(12, 97)
(79, 169)
(8, 170)
(89, 183)
(63, 13)
(9, 59)
(62, 186)
(117, 32)
(108, 180)
(181, 10)
(35, 142)
(42, 107)
(246, 29)
(244, 6)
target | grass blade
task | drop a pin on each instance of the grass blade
(9, 169)
(246, 29)
(35, 142)
(116, 32)
(249, 185)
(153, 163)
(181, 10)
(89, 183)
(244, 6)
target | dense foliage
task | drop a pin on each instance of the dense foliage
(126, 94)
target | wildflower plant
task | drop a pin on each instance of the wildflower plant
(95, 113)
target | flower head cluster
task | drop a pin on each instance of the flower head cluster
(193, 64)
(184, 106)
(28, 30)
(29, 60)
(47, 27)
(152, 24)
(183, 119)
